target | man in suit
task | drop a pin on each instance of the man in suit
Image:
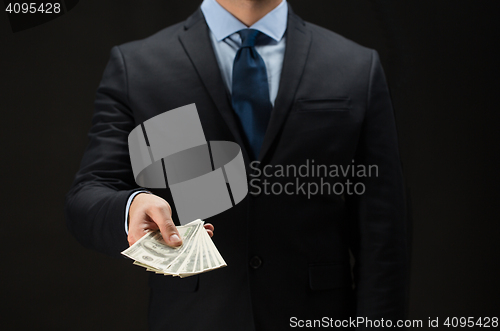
(312, 97)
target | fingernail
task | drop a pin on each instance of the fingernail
(175, 238)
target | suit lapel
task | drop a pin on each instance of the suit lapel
(298, 40)
(196, 42)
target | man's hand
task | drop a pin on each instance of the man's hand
(149, 212)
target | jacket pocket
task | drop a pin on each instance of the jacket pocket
(337, 104)
(326, 276)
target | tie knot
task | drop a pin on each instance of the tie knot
(248, 37)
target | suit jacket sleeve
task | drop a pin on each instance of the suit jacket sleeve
(96, 202)
(379, 231)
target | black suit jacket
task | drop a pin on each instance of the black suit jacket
(333, 107)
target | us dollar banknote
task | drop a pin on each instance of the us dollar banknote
(197, 253)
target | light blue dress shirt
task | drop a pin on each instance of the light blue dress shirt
(226, 42)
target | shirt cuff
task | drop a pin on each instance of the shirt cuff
(129, 202)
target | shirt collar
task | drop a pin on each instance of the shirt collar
(223, 24)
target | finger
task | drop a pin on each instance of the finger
(210, 229)
(139, 230)
(161, 216)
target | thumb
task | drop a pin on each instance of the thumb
(162, 216)
(170, 233)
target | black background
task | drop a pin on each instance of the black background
(442, 68)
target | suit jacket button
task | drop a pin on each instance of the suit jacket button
(255, 262)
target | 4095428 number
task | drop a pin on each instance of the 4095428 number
(469, 322)
(32, 8)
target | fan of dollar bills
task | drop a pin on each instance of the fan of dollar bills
(197, 253)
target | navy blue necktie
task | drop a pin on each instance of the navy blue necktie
(250, 91)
